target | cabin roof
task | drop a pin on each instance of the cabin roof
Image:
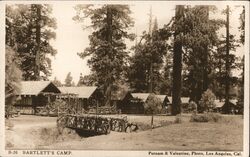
(142, 96)
(233, 101)
(35, 87)
(82, 92)
(185, 100)
(162, 97)
(170, 99)
(219, 103)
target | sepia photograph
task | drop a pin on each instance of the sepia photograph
(165, 78)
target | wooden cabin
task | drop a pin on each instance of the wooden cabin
(85, 97)
(164, 100)
(185, 104)
(166, 103)
(33, 95)
(169, 100)
(121, 100)
(137, 103)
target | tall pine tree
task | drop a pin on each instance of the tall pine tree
(107, 47)
(68, 80)
(144, 74)
(29, 29)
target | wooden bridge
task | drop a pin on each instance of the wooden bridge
(95, 124)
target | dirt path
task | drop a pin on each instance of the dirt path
(25, 132)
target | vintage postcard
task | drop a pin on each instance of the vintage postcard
(124, 78)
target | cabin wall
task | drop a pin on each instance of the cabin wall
(40, 100)
(24, 105)
(28, 104)
(124, 105)
(133, 108)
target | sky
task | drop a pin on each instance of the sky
(71, 38)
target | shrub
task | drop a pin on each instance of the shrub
(198, 118)
(214, 117)
(192, 107)
(207, 100)
(153, 105)
(207, 117)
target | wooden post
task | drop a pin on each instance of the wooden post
(152, 121)
(96, 108)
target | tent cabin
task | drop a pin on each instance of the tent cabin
(35, 94)
(121, 99)
(85, 96)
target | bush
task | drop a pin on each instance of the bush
(192, 107)
(207, 117)
(153, 105)
(207, 100)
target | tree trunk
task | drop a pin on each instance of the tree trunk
(109, 40)
(227, 87)
(38, 41)
(205, 62)
(177, 64)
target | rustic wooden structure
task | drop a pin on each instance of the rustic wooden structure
(102, 110)
(185, 104)
(85, 97)
(32, 95)
(137, 103)
(121, 100)
(164, 100)
(59, 106)
(95, 124)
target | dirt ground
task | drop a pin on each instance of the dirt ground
(35, 132)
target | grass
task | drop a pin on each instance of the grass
(207, 117)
